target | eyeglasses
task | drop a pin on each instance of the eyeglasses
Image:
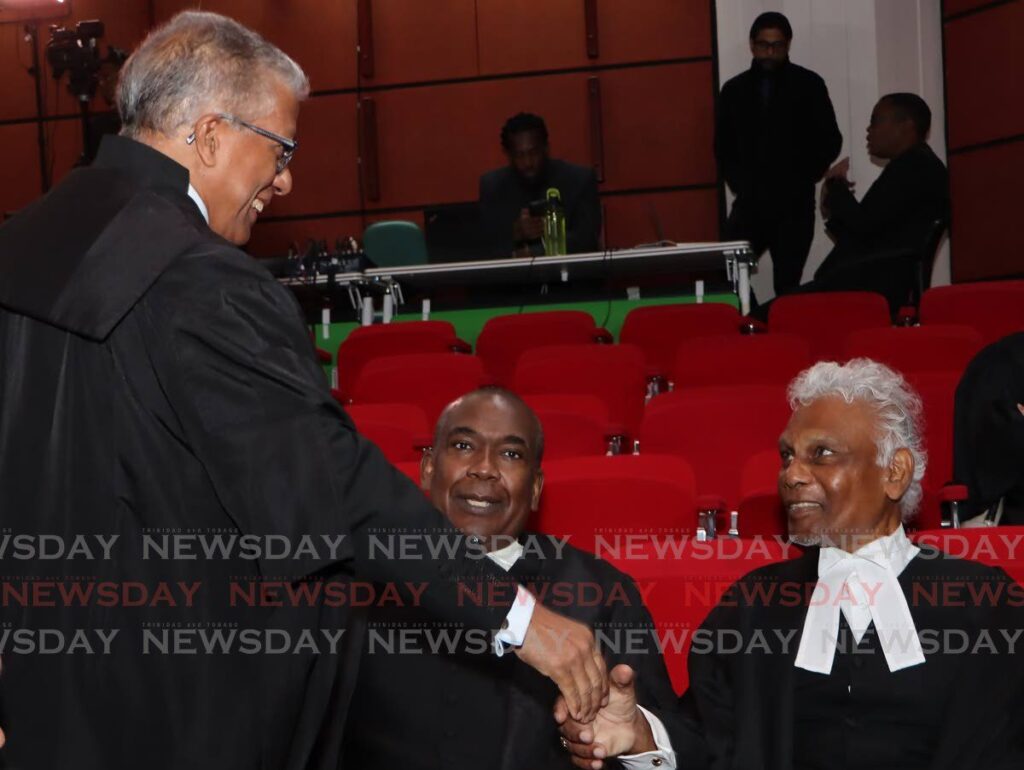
(289, 145)
(765, 46)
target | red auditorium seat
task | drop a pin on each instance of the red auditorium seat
(412, 470)
(612, 373)
(942, 347)
(366, 343)
(824, 319)
(682, 580)
(995, 546)
(399, 430)
(574, 426)
(936, 390)
(755, 359)
(615, 497)
(760, 507)
(505, 338)
(717, 430)
(658, 329)
(429, 380)
(994, 308)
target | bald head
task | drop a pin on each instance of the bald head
(501, 400)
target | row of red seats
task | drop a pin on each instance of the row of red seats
(826, 323)
(589, 396)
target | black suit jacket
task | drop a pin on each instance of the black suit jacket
(433, 711)
(772, 154)
(156, 380)
(879, 238)
(739, 710)
(503, 195)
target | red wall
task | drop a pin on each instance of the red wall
(984, 59)
(440, 78)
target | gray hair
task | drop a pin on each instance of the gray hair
(897, 405)
(198, 63)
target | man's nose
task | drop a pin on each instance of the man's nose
(484, 466)
(283, 182)
(793, 475)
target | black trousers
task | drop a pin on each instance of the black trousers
(785, 231)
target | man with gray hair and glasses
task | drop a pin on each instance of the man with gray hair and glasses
(868, 651)
(180, 488)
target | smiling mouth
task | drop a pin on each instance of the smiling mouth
(802, 508)
(480, 504)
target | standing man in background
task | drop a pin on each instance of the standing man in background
(775, 137)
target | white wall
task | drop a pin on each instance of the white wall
(863, 49)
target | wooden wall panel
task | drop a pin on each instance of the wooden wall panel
(416, 41)
(319, 34)
(19, 97)
(985, 75)
(434, 143)
(272, 239)
(653, 29)
(986, 205)
(21, 167)
(953, 7)
(527, 36)
(325, 172)
(659, 122)
(684, 215)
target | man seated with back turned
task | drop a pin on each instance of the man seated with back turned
(463, 708)
(868, 651)
(506, 193)
(878, 239)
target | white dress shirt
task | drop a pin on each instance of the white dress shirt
(194, 195)
(864, 585)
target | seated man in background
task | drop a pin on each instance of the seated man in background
(868, 651)
(440, 699)
(880, 238)
(506, 193)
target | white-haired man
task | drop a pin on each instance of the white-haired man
(867, 651)
(164, 425)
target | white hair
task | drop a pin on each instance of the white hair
(897, 405)
(199, 63)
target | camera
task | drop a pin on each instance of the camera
(77, 52)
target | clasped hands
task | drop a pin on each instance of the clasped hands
(597, 713)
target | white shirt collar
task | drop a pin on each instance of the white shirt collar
(864, 586)
(194, 195)
(507, 556)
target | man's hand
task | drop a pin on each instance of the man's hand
(527, 228)
(619, 728)
(839, 171)
(565, 651)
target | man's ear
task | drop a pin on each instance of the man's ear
(538, 487)
(209, 131)
(900, 474)
(426, 469)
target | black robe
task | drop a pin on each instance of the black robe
(464, 708)
(155, 380)
(741, 711)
